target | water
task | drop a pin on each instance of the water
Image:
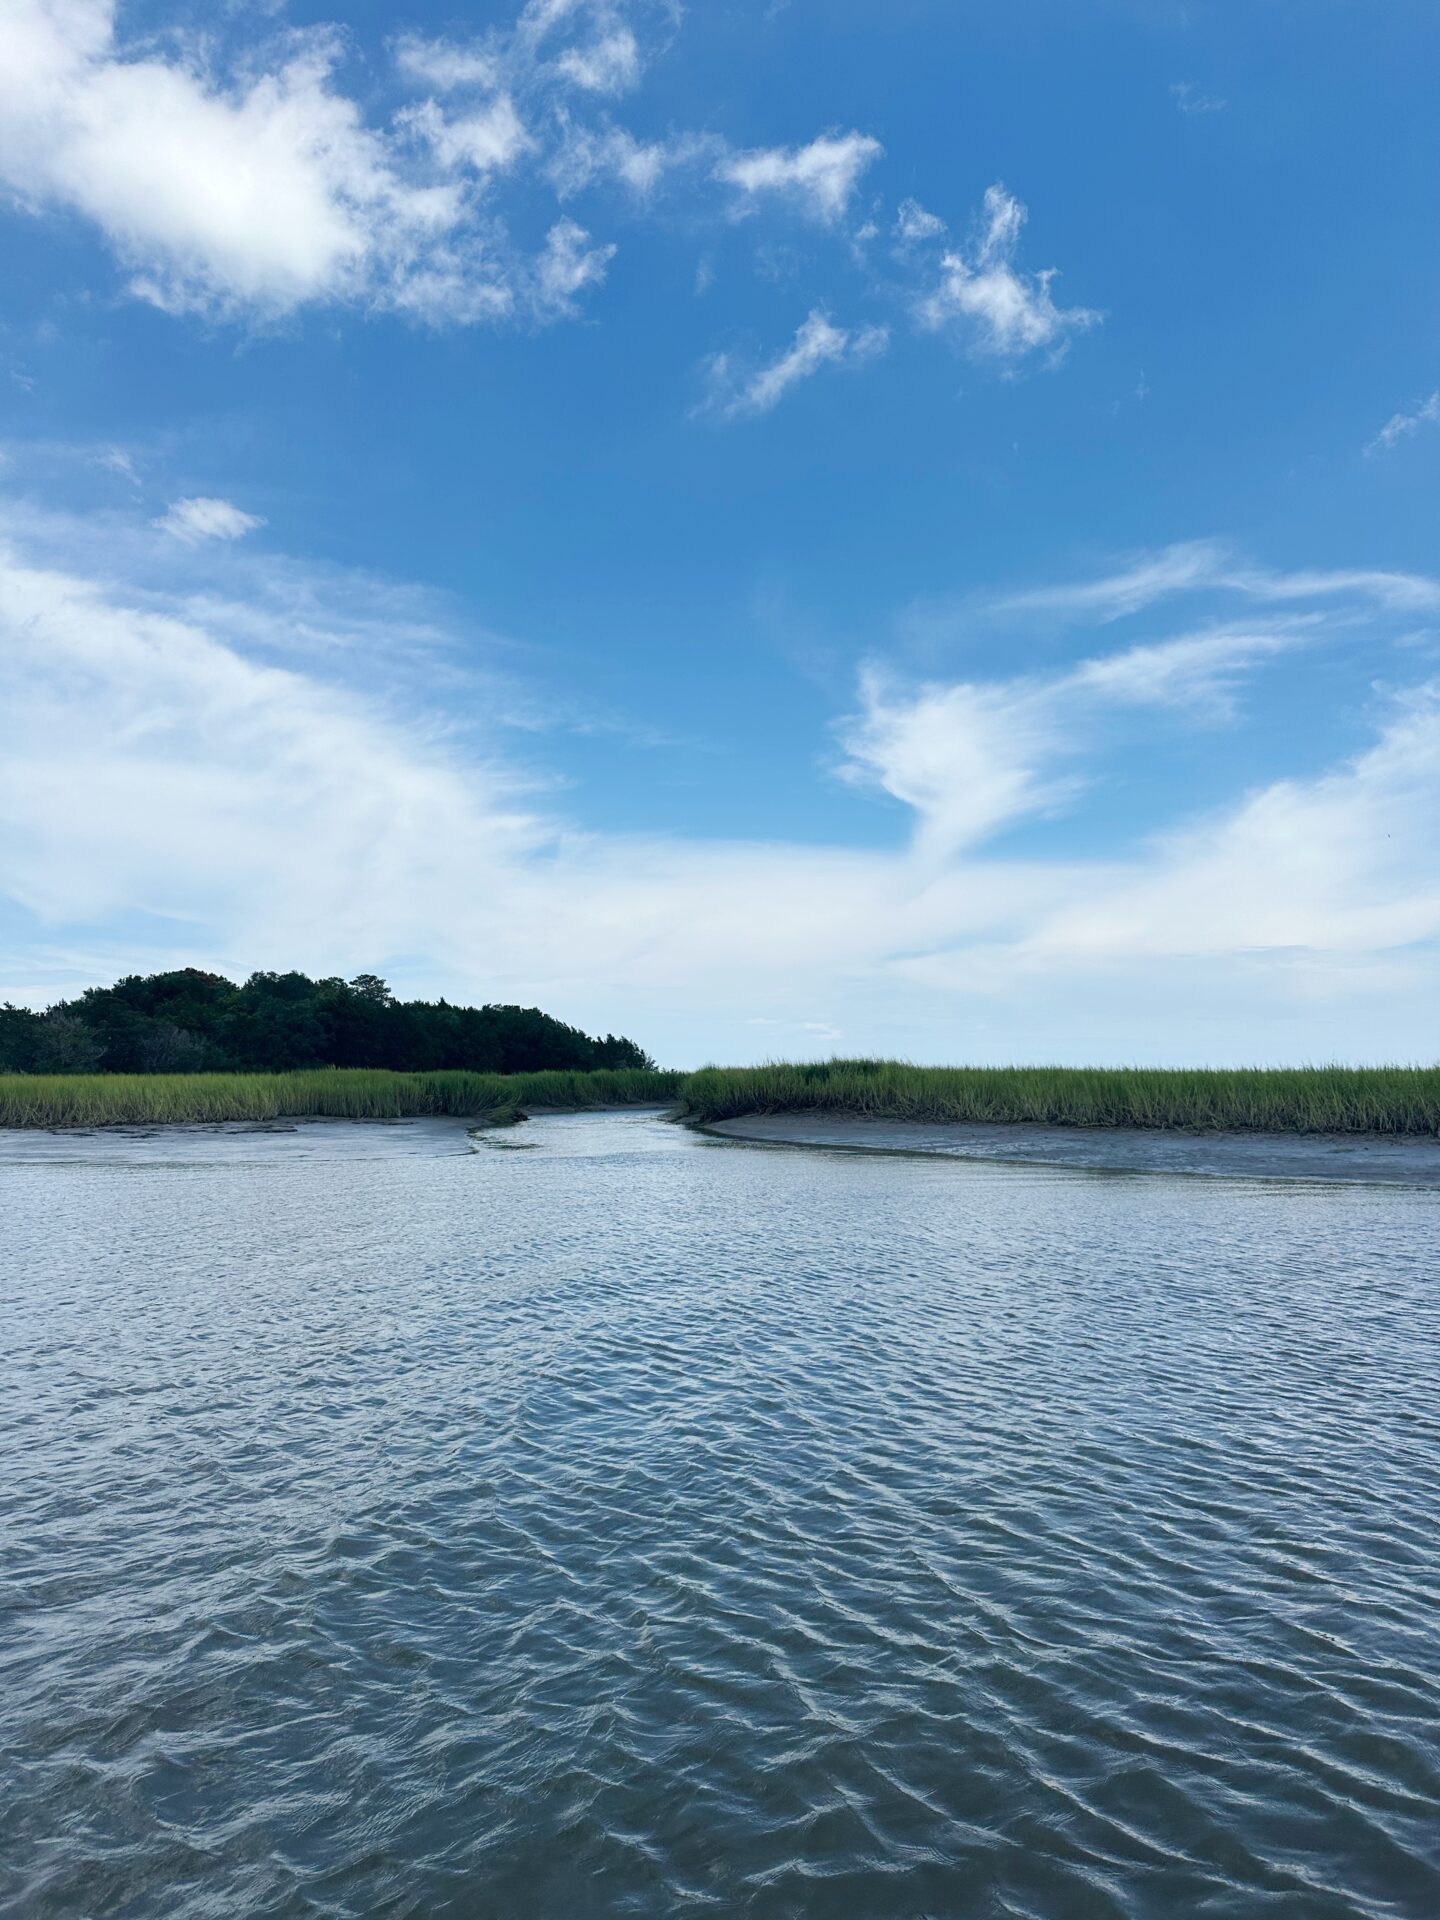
(608, 1521)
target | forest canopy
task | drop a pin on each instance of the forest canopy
(191, 1022)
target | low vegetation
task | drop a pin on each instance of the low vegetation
(159, 1099)
(1287, 1100)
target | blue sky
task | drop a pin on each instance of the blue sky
(776, 528)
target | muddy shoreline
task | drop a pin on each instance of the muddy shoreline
(1369, 1159)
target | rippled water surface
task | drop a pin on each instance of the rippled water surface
(612, 1521)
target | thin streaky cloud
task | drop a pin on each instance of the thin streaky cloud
(817, 343)
(202, 518)
(1401, 425)
(1205, 565)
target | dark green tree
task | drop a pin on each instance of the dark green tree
(188, 1020)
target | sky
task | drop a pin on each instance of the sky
(778, 527)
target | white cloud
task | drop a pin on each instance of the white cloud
(818, 343)
(914, 223)
(1400, 425)
(1341, 864)
(1193, 566)
(1191, 100)
(1002, 311)
(819, 178)
(1180, 568)
(185, 742)
(567, 266)
(966, 759)
(489, 139)
(971, 758)
(1198, 671)
(258, 194)
(152, 767)
(582, 154)
(266, 194)
(118, 460)
(256, 190)
(200, 518)
(446, 64)
(609, 65)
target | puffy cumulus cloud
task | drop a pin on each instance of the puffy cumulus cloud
(257, 193)
(820, 178)
(199, 518)
(999, 309)
(257, 189)
(817, 343)
(153, 765)
(263, 194)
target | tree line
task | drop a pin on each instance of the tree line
(193, 1022)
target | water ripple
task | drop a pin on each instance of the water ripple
(647, 1526)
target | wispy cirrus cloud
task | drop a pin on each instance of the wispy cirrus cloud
(1193, 566)
(818, 343)
(200, 518)
(179, 758)
(1193, 100)
(1401, 425)
(609, 64)
(447, 64)
(972, 757)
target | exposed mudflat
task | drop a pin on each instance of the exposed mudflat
(1411, 1160)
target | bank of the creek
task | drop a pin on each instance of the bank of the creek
(1406, 1159)
(398, 1522)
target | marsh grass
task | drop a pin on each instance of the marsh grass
(158, 1099)
(1282, 1099)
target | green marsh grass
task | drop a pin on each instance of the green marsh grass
(159, 1099)
(1281, 1099)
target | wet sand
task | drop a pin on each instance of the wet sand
(1409, 1160)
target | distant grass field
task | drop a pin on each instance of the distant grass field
(121, 1099)
(1283, 1099)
